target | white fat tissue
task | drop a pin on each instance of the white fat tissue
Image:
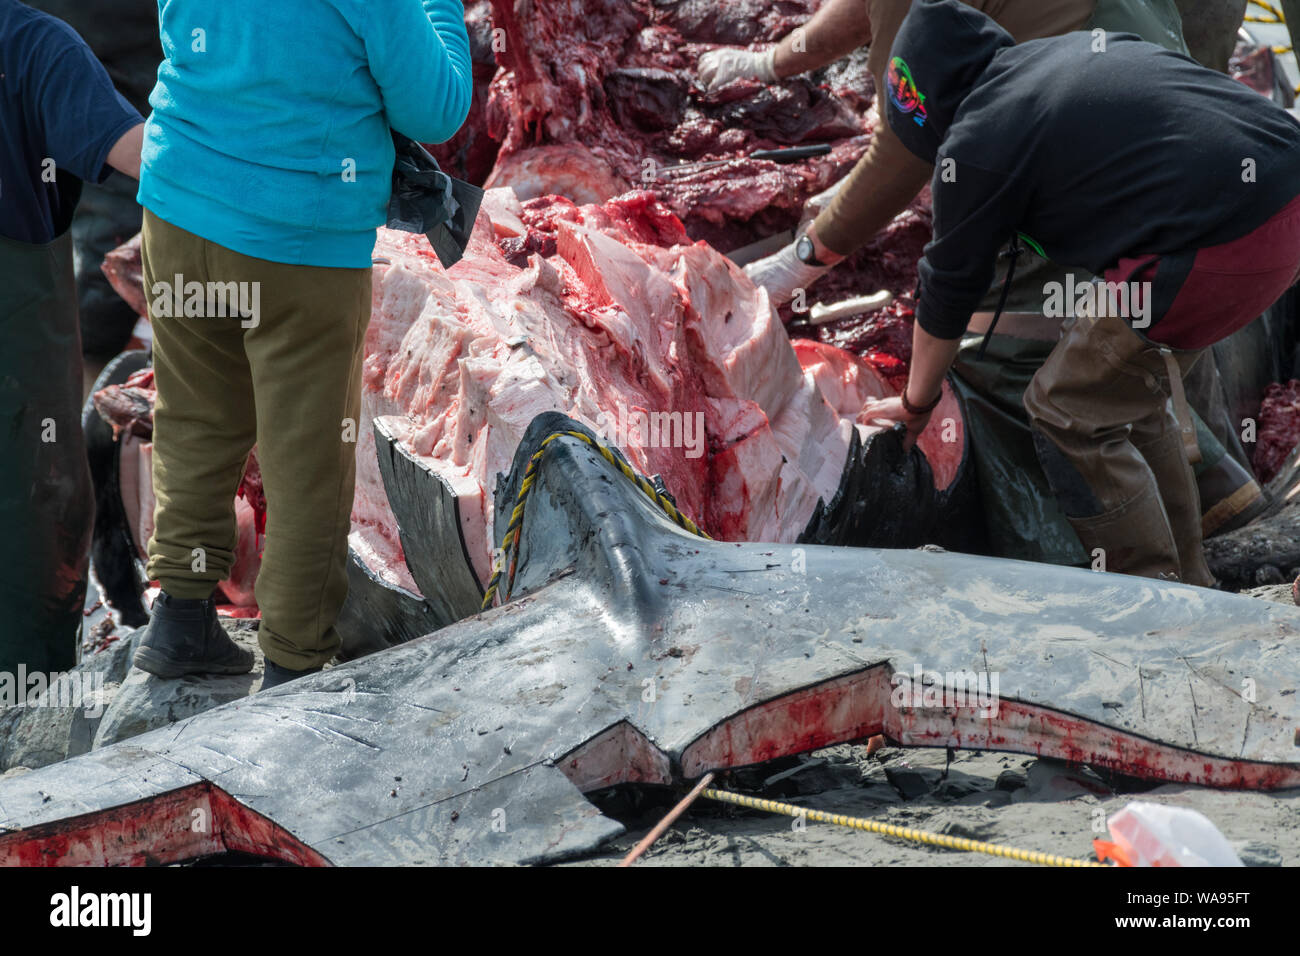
(640, 342)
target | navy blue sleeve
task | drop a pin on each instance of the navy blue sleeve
(81, 115)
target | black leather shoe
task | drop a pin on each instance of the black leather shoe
(184, 636)
(273, 675)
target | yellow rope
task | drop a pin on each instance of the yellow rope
(902, 833)
(1278, 16)
(1275, 16)
(510, 541)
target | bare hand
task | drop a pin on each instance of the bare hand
(890, 411)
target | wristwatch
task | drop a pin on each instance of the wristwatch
(806, 251)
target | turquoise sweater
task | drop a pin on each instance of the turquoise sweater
(270, 126)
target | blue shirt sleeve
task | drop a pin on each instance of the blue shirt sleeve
(80, 115)
(419, 56)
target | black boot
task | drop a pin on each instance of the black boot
(184, 636)
(273, 675)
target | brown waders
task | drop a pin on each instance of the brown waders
(1023, 518)
(1102, 412)
(1021, 515)
(46, 504)
(287, 379)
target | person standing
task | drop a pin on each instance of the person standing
(62, 124)
(268, 163)
(123, 34)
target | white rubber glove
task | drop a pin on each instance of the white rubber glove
(818, 204)
(782, 273)
(719, 67)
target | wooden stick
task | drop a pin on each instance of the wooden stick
(667, 821)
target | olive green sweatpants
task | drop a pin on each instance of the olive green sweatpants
(286, 377)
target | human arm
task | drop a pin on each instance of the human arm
(78, 115)
(976, 211)
(419, 56)
(932, 357)
(877, 189)
(836, 30)
(125, 154)
(880, 186)
(974, 214)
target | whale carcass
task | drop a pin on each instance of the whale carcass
(610, 314)
(636, 652)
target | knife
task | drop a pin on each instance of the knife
(789, 154)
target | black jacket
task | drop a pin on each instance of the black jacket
(1090, 146)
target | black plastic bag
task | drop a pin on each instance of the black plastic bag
(427, 200)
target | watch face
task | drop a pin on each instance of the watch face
(804, 249)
